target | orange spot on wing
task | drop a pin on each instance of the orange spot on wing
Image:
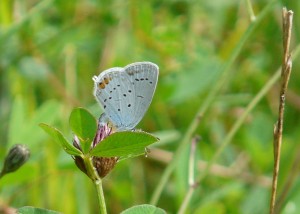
(106, 80)
(101, 85)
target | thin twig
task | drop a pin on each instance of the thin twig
(239, 122)
(289, 181)
(192, 184)
(287, 17)
(232, 172)
(206, 104)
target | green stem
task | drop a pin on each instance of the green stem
(250, 10)
(101, 198)
(93, 174)
(238, 124)
(192, 184)
(208, 101)
(186, 200)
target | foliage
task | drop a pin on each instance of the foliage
(50, 50)
(146, 208)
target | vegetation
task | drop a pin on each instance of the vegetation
(219, 80)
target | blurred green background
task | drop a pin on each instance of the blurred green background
(51, 49)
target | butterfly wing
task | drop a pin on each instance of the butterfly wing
(126, 93)
(106, 93)
(143, 77)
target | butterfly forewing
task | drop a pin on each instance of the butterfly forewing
(106, 92)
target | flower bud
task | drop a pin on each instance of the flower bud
(103, 165)
(15, 158)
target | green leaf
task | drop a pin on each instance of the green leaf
(144, 209)
(84, 125)
(59, 138)
(127, 143)
(34, 210)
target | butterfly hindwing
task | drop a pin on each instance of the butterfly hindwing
(143, 77)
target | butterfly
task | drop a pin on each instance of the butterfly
(126, 93)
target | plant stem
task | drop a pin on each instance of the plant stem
(93, 174)
(237, 125)
(192, 184)
(206, 104)
(287, 17)
(186, 200)
(250, 10)
(232, 132)
(101, 198)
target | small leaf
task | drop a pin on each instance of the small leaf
(84, 125)
(31, 210)
(144, 209)
(59, 138)
(127, 143)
